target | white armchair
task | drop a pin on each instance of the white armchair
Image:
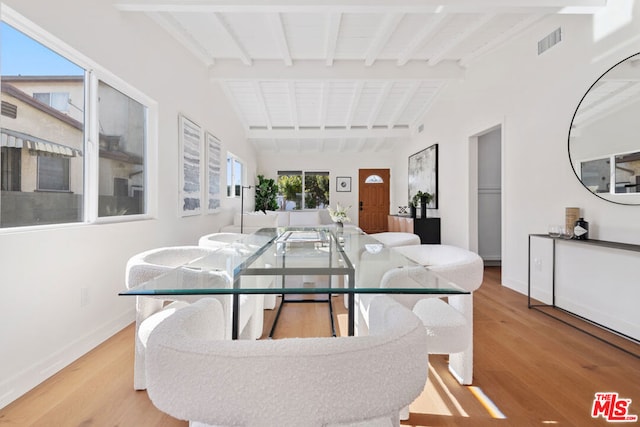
(194, 375)
(449, 324)
(150, 311)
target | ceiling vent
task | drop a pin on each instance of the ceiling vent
(551, 40)
(421, 128)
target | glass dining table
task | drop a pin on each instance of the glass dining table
(340, 261)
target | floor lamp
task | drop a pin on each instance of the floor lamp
(242, 187)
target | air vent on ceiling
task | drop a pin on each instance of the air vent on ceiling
(421, 128)
(549, 41)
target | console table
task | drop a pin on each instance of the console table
(428, 229)
(594, 280)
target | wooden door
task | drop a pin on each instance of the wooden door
(373, 200)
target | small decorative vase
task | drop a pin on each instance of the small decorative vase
(412, 211)
(423, 210)
(339, 226)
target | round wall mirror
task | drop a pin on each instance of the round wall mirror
(604, 138)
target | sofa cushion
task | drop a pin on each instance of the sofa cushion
(257, 219)
(303, 218)
(283, 217)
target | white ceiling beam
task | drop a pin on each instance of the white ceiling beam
(361, 6)
(173, 27)
(293, 104)
(382, 97)
(333, 31)
(242, 53)
(262, 104)
(381, 38)
(305, 133)
(281, 38)
(406, 99)
(419, 118)
(341, 70)
(503, 38)
(458, 38)
(421, 38)
(353, 105)
(324, 95)
(232, 100)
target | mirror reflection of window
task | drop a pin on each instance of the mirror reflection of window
(596, 175)
(628, 173)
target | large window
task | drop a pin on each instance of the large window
(303, 190)
(64, 160)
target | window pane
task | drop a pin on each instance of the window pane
(290, 190)
(53, 173)
(42, 148)
(230, 192)
(237, 176)
(122, 149)
(316, 190)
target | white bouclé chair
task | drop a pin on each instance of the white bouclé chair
(218, 240)
(449, 324)
(228, 239)
(195, 375)
(392, 239)
(150, 310)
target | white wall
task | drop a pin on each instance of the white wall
(43, 326)
(343, 164)
(533, 98)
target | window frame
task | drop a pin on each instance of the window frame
(94, 73)
(303, 176)
(231, 172)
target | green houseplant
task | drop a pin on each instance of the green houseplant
(266, 194)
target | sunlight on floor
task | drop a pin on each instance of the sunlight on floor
(487, 403)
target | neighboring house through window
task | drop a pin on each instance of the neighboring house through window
(49, 150)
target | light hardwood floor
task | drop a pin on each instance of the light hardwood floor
(536, 371)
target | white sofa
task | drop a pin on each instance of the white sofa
(254, 221)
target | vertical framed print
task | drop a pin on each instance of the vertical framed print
(213, 151)
(423, 174)
(190, 167)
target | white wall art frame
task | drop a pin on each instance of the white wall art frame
(190, 167)
(213, 148)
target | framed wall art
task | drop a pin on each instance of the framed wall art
(190, 169)
(423, 174)
(343, 183)
(213, 151)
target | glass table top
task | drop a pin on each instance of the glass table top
(353, 261)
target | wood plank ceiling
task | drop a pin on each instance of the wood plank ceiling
(345, 75)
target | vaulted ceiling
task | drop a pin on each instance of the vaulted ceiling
(341, 75)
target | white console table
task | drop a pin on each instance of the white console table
(595, 280)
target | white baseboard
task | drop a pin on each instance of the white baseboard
(22, 382)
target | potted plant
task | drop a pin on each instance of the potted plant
(266, 194)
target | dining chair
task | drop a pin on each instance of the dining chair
(193, 374)
(150, 310)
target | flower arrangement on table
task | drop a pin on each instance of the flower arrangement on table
(339, 214)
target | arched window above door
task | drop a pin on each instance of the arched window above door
(374, 179)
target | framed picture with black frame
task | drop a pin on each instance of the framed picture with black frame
(423, 174)
(343, 183)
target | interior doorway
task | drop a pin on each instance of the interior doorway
(373, 199)
(490, 196)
